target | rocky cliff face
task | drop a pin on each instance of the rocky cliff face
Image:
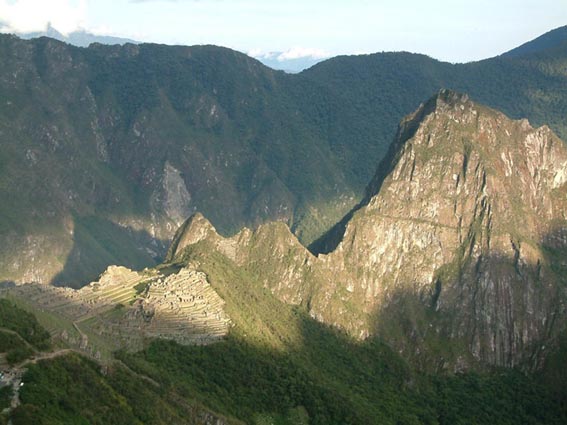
(459, 229)
(453, 257)
(106, 150)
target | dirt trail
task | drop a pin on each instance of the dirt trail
(44, 356)
(13, 375)
(11, 332)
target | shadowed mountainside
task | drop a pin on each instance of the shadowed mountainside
(461, 241)
(454, 262)
(142, 136)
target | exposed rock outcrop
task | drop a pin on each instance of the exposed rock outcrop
(453, 254)
(460, 224)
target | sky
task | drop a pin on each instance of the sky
(449, 30)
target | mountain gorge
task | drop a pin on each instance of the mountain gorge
(134, 153)
(126, 141)
(453, 256)
(268, 248)
(439, 299)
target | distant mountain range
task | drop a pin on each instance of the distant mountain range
(293, 60)
(81, 38)
(107, 149)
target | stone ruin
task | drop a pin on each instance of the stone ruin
(124, 309)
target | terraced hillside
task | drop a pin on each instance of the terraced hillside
(124, 309)
(456, 256)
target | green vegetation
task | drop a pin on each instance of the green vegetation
(51, 321)
(550, 40)
(18, 354)
(241, 380)
(278, 363)
(15, 349)
(70, 390)
(20, 333)
(24, 324)
(141, 287)
(277, 366)
(351, 385)
(73, 390)
(326, 380)
(5, 398)
(506, 397)
(323, 378)
(251, 144)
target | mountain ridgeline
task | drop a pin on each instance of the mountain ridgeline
(439, 297)
(454, 257)
(107, 149)
(440, 300)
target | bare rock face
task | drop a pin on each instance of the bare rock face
(454, 256)
(178, 198)
(459, 226)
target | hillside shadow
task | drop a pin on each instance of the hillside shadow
(329, 241)
(500, 310)
(319, 378)
(333, 379)
(99, 243)
(323, 376)
(7, 284)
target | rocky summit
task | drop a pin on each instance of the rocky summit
(455, 257)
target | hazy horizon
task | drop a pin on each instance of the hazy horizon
(453, 31)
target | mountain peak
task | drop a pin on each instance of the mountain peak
(451, 97)
(443, 101)
(465, 201)
(549, 40)
(195, 229)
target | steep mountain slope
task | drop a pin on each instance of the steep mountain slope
(110, 148)
(459, 235)
(453, 257)
(107, 150)
(277, 365)
(550, 40)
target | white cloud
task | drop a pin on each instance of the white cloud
(258, 54)
(155, 1)
(102, 30)
(23, 16)
(290, 54)
(303, 52)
